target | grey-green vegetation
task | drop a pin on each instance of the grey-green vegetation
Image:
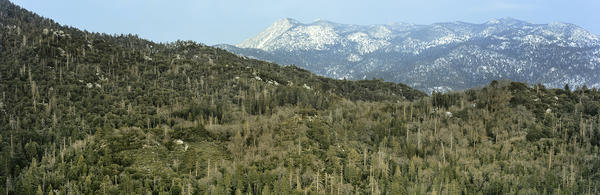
(89, 113)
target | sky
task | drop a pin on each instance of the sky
(232, 21)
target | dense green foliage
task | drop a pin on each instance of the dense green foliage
(88, 113)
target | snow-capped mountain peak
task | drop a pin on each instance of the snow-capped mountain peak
(449, 56)
(271, 33)
(289, 34)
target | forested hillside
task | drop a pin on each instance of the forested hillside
(89, 113)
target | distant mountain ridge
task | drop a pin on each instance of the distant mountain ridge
(436, 57)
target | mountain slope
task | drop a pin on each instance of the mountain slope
(89, 113)
(437, 57)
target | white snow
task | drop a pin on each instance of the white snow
(290, 35)
(447, 50)
(354, 58)
(275, 30)
(366, 44)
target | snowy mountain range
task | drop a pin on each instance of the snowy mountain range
(436, 57)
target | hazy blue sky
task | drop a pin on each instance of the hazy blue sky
(231, 21)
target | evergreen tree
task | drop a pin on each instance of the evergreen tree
(398, 183)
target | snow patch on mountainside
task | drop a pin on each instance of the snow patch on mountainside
(270, 34)
(366, 44)
(437, 57)
(289, 35)
(354, 58)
